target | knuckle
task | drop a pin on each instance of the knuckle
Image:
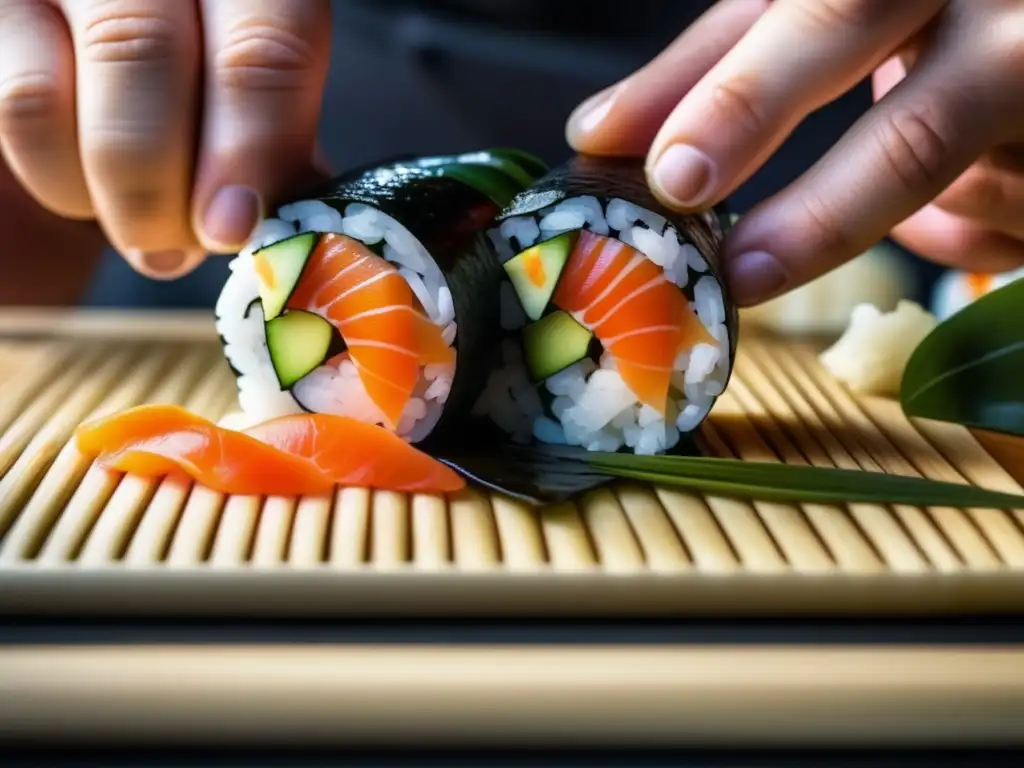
(912, 146)
(122, 149)
(737, 101)
(111, 35)
(824, 227)
(260, 56)
(830, 14)
(26, 99)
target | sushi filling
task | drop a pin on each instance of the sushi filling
(335, 386)
(587, 401)
(956, 289)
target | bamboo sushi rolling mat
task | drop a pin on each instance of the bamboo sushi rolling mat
(77, 540)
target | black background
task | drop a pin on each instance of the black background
(456, 75)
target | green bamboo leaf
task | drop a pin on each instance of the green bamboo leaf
(485, 179)
(548, 473)
(789, 482)
(499, 174)
(970, 369)
(520, 166)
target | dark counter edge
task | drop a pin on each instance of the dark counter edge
(967, 630)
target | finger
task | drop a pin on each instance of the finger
(624, 118)
(957, 242)
(894, 160)
(37, 107)
(988, 195)
(798, 56)
(137, 70)
(266, 63)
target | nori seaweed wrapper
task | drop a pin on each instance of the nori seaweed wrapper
(607, 178)
(449, 203)
(542, 474)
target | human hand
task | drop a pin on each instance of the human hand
(50, 260)
(938, 161)
(170, 122)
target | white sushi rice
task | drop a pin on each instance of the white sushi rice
(592, 406)
(334, 389)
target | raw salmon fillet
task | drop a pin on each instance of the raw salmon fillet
(388, 337)
(354, 453)
(160, 440)
(642, 319)
(289, 456)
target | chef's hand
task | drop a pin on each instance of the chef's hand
(938, 161)
(170, 122)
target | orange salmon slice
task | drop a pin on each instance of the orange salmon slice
(289, 456)
(154, 441)
(389, 339)
(351, 452)
(642, 319)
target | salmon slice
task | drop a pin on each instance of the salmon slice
(352, 452)
(112, 433)
(153, 441)
(642, 319)
(376, 313)
(978, 284)
(289, 456)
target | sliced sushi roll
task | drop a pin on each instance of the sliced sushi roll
(362, 299)
(619, 333)
(955, 289)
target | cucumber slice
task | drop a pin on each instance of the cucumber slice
(278, 269)
(298, 342)
(534, 272)
(553, 344)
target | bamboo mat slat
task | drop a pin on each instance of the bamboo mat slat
(319, 695)
(74, 537)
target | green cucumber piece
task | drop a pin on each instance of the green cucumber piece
(554, 343)
(298, 342)
(534, 272)
(278, 268)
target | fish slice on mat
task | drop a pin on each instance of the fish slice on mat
(288, 456)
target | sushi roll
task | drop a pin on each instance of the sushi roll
(619, 333)
(363, 298)
(955, 289)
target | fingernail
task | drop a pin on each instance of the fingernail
(755, 277)
(231, 216)
(684, 175)
(592, 112)
(163, 265)
(164, 262)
